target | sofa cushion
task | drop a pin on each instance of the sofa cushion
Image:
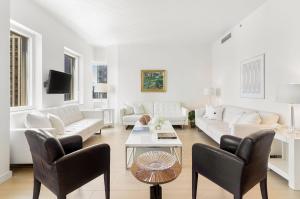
(37, 120)
(214, 113)
(231, 112)
(128, 110)
(269, 118)
(165, 109)
(57, 124)
(249, 118)
(138, 109)
(131, 118)
(83, 127)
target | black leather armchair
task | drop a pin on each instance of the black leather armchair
(63, 166)
(237, 166)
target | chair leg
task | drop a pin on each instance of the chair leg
(107, 184)
(238, 196)
(36, 188)
(264, 189)
(194, 184)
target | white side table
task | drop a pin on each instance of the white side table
(289, 165)
(108, 116)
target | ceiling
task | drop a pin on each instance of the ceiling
(107, 22)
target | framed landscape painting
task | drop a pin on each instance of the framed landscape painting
(153, 80)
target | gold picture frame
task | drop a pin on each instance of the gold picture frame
(153, 80)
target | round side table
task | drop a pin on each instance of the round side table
(156, 168)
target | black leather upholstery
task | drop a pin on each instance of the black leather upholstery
(238, 166)
(63, 166)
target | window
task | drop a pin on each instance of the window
(71, 66)
(19, 70)
(99, 76)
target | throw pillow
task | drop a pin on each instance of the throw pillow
(37, 120)
(138, 109)
(57, 123)
(213, 113)
(128, 110)
(250, 118)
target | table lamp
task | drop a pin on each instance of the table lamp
(209, 92)
(290, 93)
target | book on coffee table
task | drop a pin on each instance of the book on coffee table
(166, 136)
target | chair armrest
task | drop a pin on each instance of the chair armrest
(199, 112)
(222, 167)
(71, 143)
(93, 114)
(230, 143)
(83, 165)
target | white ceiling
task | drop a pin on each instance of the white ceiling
(106, 22)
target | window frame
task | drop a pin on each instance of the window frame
(93, 82)
(77, 56)
(29, 68)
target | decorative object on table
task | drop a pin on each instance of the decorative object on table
(253, 77)
(158, 122)
(153, 80)
(166, 136)
(210, 92)
(102, 88)
(145, 119)
(192, 119)
(156, 167)
(289, 93)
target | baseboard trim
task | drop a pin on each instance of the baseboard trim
(7, 175)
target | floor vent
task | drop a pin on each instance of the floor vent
(227, 37)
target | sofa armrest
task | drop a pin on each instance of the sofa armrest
(199, 112)
(185, 111)
(96, 114)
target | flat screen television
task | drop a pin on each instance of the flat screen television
(59, 82)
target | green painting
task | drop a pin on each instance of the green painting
(153, 80)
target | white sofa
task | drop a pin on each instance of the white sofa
(215, 129)
(172, 111)
(83, 123)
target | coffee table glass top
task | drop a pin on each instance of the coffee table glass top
(148, 138)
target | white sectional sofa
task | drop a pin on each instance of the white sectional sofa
(172, 111)
(76, 122)
(216, 128)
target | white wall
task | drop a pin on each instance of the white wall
(188, 71)
(4, 91)
(272, 29)
(55, 37)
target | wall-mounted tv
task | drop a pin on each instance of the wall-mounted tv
(59, 82)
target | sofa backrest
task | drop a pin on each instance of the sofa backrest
(231, 112)
(165, 109)
(69, 114)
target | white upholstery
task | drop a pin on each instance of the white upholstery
(76, 122)
(172, 111)
(215, 129)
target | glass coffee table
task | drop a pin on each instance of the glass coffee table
(156, 168)
(148, 139)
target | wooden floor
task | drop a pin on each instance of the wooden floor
(125, 186)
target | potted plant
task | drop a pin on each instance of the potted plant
(192, 119)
